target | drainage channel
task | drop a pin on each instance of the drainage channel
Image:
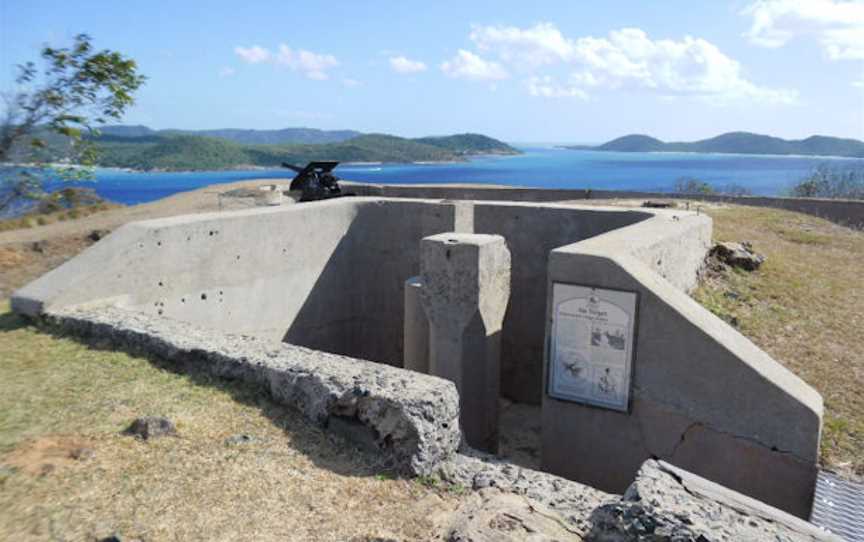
(838, 506)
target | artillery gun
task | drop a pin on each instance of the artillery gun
(315, 181)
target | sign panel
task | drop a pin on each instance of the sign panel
(591, 351)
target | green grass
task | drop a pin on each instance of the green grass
(804, 307)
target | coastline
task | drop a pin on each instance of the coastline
(717, 153)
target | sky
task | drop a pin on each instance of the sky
(541, 71)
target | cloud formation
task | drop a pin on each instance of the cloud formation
(227, 71)
(838, 25)
(467, 65)
(253, 55)
(404, 65)
(311, 65)
(625, 59)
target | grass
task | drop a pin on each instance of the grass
(34, 219)
(67, 472)
(805, 307)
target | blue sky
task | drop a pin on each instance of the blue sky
(552, 71)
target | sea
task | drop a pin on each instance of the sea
(539, 166)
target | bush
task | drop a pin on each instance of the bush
(692, 185)
(831, 181)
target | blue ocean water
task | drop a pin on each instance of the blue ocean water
(538, 167)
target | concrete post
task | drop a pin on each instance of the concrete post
(415, 333)
(466, 287)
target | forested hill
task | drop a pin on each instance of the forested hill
(158, 151)
(237, 135)
(738, 143)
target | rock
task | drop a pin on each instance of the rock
(739, 255)
(572, 500)
(39, 246)
(151, 427)
(491, 515)
(665, 503)
(96, 235)
(659, 204)
(82, 453)
(239, 440)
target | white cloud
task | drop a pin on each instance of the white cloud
(467, 65)
(227, 71)
(254, 54)
(350, 83)
(547, 87)
(312, 65)
(401, 64)
(625, 59)
(541, 44)
(838, 25)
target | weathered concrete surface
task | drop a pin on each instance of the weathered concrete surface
(466, 287)
(416, 326)
(531, 232)
(844, 212)
(667, 503)
(327, 275)
(703, 396)
(410, 419)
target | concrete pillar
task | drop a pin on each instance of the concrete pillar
(415, 334)
(466, 286)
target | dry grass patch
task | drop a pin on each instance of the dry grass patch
(67, 473)
(805, 307)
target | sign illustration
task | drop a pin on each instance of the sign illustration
(591, 351)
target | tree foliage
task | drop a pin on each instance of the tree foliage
(827, 181)
(75, 90)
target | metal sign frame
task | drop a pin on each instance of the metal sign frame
(597, 355)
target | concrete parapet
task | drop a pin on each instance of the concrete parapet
(703, 397)
(410, 419)
(466, 286)
(416, 335)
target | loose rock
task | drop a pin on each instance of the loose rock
(151, 427)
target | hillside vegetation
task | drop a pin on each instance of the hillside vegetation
(138, 147)
(737, 143)
(248, 137)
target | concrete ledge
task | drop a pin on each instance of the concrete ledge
(411, 419)
(844, 212)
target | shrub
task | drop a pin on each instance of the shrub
(831, 181)
(692, 185)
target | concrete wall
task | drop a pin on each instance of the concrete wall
(703, 396)
(844, 212)
(531, 232)
(327, 275)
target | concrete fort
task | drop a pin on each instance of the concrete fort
(309, 301)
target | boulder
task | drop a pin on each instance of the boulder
(740, 255)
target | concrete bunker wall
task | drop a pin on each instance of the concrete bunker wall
(325, 275)
(532, 232)
(703, 396)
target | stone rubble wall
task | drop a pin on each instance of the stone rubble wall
(411, 419)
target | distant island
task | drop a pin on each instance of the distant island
(140, 148)
(737, 143)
